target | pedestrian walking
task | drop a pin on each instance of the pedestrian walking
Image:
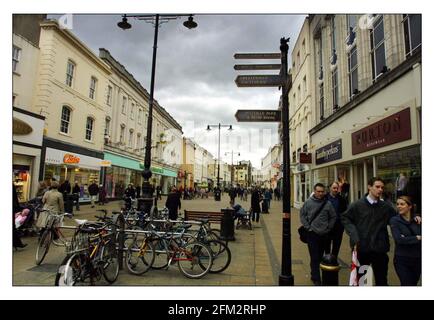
(93, 192)
(318, 217)
(334, 240)
(42, 188)
(173, 203)
(255, 202)
(366, 222)
(102, 194)
(53, 199)
(408, 243)
(16, 238)
(76, 191)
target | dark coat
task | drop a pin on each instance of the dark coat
(93, 189)
(404, 232)
(366, 224)
(173, 203)
(255, 201)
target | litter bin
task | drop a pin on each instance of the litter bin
(217, 195)
(69, 203)
(227, 225)
(330, 270)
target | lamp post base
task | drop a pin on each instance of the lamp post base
(286, 280)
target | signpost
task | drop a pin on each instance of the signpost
(258, 115)
(257, 67)
(275, 55)
(259, 81)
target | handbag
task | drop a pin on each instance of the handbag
(302, 231)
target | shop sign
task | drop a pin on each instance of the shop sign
(390, 130)
(70, 159)
(328, 153)
(305, 157)
(106, 163)
(20, 127)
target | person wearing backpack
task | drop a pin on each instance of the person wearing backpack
(318, 217)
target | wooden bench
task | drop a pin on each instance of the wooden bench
(213, 217)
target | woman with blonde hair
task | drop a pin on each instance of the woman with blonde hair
(408, 243)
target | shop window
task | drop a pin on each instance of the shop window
(378, 52)
(65, 119)
(412, 32)
(16, 53)
(89, 128)
(70, 73)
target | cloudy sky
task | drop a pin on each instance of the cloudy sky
(194, 78)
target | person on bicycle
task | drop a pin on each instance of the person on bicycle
(53, 199)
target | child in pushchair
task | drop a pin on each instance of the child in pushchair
(24, 219)
(242, 217)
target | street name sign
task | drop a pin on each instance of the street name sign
(257, 55)
(259, 81)
(258, 115)
(257, 67)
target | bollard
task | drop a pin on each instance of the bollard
(330, 270)
(227, 225)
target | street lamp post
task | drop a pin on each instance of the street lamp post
(219, 126)
(232, 164)
(155, 19)
(286, 278)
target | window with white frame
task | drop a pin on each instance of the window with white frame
(107, 126)
(122, 134)
(109, 95)
(352, 71)
(321, 101)
(132, 111)
(335, 88)
(89, 128)
(16, 53)
(138, 141)
(65, 119)
(140, 116)
(124, 105)
(412, 32)
(378, 52)
(70, 69)
(92, 87)
(130, 138)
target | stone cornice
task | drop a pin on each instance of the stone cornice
(72, 39)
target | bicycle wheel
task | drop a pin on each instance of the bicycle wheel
(139, 259)
(75, 270)
(214, 234)
(60, 279)
(221, 256)
(161, 259)
(194, 260)
(43, 246)
(109, 263)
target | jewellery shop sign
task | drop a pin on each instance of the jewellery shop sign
(328, 153)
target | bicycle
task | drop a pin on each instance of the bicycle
(89, 256)
(50, 234)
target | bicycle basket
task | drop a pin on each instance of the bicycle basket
(79, 242)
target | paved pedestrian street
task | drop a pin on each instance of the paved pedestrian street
(256, 254)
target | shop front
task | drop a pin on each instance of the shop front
(61, 165)
(26, 152)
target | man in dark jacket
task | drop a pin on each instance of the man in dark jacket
(340, 205)
(366, 222)
(93, 192)
(318, 217)
(173, 203)
(76, 194)
(255, 202)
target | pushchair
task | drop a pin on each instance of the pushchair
(25, 219)
(243, 217)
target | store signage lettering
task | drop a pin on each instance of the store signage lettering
(330, 152)
(70, 158)
(390, 130)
